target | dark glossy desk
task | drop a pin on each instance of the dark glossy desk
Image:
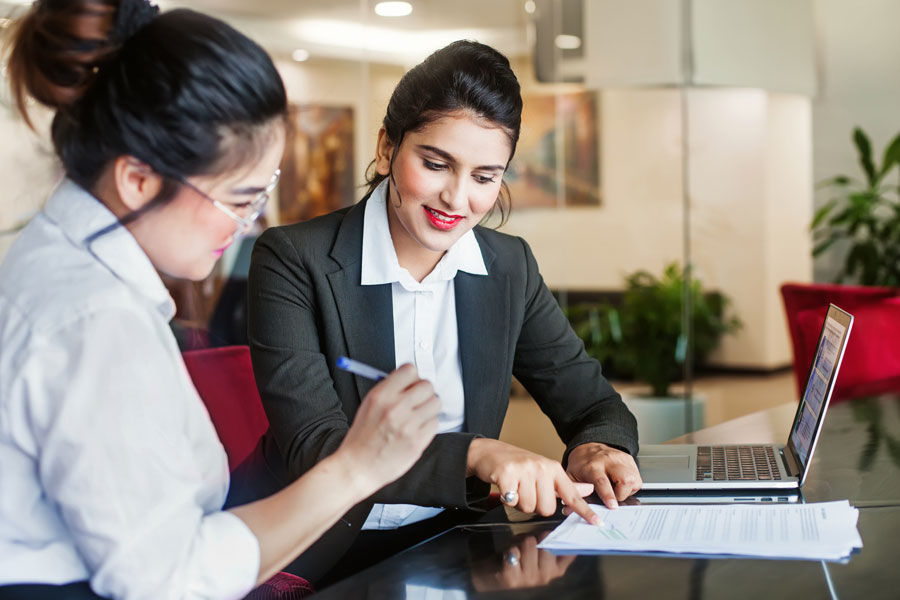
(468, 562)
(858, 458)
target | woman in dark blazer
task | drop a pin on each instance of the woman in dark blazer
(367, 281)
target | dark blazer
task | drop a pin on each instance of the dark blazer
(307, 307)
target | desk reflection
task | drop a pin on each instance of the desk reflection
(877, 420)
(519, 566)
(522, 565)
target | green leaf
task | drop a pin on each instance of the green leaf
(841, 218)
(823, 212)
(839, 180)
(891, 157)
(864, 148)
(823, 246)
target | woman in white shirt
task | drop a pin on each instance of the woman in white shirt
(465, 304)
(169, 128)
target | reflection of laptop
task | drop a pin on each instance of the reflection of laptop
(757, 466)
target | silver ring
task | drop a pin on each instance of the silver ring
(510, 497)
(511, 559)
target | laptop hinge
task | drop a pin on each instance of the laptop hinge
(788, 460)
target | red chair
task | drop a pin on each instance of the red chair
(224, 379)
(872, 358)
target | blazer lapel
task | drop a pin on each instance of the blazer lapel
(482, 317)
(366, 311)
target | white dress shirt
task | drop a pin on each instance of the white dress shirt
(110, 468)
(425, 332)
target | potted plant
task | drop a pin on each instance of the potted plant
(645, 339)
(864, 214)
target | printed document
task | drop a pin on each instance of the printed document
(820, 531)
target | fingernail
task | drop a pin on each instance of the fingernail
(613, 503)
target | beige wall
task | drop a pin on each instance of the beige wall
(751, 163)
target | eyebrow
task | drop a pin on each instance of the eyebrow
(449, 158)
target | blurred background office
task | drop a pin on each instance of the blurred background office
(667, 176)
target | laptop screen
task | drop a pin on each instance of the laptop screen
(822, 375)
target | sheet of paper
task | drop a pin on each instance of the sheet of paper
(823, 531)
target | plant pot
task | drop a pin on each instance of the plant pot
(660, 419)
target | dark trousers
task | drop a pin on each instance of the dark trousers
(42, 591)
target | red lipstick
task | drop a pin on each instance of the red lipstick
(441, 220)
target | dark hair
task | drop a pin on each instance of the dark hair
(467, 77)
(185, 93)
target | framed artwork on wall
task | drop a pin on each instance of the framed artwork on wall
(557, 160)
(317, 169)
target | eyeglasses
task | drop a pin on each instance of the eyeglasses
(255, 206)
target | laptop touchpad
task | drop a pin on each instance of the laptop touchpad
(665, 463)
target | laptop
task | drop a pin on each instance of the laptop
(757, 466)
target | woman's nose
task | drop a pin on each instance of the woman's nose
(454, 196)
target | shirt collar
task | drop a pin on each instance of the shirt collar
(80, 215)
(379, 259)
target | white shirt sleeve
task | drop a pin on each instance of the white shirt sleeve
(125, 456)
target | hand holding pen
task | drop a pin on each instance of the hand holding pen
(394, 424)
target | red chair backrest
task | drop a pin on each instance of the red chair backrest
(224, 379)
(872, 358)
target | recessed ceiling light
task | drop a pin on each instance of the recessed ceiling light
(568, 42)
(530, 7)
(300, 55)
(393, 9)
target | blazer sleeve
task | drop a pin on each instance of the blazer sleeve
(304, 411)
(568, 385)
(308, 417)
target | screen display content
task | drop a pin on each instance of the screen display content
(819, 379)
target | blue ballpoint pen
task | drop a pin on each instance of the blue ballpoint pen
(361, 369)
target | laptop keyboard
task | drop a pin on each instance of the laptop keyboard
(741, 463)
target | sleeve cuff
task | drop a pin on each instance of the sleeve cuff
(617, 438)
(234, 555)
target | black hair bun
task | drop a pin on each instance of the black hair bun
(131, 17)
